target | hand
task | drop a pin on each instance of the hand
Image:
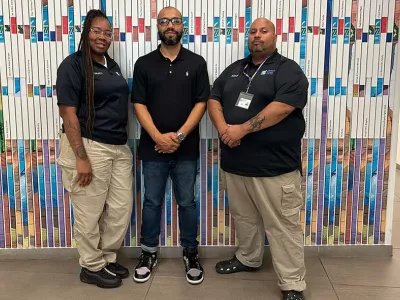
(233, 134)
(167, 143)
(223, 129)
(84, 170)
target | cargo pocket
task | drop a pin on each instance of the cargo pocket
(68, 177)
(291, 201)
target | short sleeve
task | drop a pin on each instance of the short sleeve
(69, 83)
(139, 84)
(291, 85)
(219, 84)
(203, 83)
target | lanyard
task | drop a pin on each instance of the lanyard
(251, 78)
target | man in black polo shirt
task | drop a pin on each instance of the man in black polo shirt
(256, 105)
(170, 92)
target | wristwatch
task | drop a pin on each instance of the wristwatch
(180, 136)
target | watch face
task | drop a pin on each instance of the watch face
(181, 137)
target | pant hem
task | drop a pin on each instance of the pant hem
(297, 286)
(149, 249)
(246, 262)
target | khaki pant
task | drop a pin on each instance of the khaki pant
(102, 209)
(269, 205)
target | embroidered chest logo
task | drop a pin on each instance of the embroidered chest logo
(268, 72)
(235, 75)
(98, 73)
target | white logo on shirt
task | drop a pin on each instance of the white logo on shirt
(117, 73)
(267, 72)
(98, 73)
(235, 75)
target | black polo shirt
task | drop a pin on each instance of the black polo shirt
(275, 150)
(111, 93)
(170, 90)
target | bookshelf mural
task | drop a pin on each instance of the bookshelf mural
(346, 48)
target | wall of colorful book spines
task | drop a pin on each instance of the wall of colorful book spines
(347, 50)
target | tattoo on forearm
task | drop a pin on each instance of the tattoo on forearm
(255, 123)
(81, 152)
(73, 126)
(76, 140)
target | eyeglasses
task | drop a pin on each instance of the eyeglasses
(165, 21)
(98, 32)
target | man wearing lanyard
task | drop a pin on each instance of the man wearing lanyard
(256, 105)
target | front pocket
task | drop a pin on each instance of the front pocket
(66, 156)
(291, 201)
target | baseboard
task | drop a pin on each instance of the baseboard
(204, 252)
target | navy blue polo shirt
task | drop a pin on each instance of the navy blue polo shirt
(111, 94)
(275, 150)
(170, 90)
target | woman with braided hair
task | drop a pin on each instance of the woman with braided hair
(95, 159)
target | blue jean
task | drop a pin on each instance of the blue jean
(183, 175)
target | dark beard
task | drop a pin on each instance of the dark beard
(168, 41)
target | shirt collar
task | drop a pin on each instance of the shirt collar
(180, 56)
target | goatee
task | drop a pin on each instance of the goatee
(170, 41)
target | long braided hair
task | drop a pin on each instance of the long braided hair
(84, 46)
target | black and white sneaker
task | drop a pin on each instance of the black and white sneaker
(292, 295)
(147, 261)
(194, 271)
(103, 278)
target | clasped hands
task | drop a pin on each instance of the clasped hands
(166, 143)
(231, 135)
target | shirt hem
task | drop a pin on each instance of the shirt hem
(258, 174)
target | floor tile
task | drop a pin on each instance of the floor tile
(365, 271)
(174, 267)
(347, 292)
(175, 288)
(52, 266)
(63, 286)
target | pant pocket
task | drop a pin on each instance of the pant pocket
(68, 178)
(291, 200)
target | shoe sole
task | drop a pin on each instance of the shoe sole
(142, 280)
(100, 285)
(194, 282)
(231, 271)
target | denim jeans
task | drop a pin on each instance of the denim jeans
(183, 175)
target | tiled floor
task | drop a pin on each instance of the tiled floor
(327, 278)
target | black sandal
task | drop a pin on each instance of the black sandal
(293, 295)
(232, 266)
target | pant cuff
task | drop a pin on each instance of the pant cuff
(149, 249)
(244, 261)
(110, 257)
(298, 286)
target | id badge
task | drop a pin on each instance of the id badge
(244, 100)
